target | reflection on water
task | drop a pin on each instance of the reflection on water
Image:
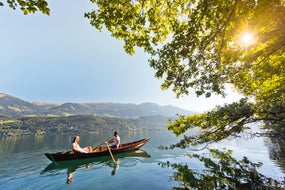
(277, 151)
(23, 164)
(70, 172)
(123, 160)
(116, 167)
(222, 171)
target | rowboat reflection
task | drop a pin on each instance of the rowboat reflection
(72, 166)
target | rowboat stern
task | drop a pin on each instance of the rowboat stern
(49, 156)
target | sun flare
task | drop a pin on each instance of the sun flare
(247, 38)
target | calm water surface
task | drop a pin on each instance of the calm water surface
(23, 164)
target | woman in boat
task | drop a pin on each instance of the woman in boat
(76, 147)
(115, 142)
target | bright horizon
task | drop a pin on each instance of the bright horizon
(61, 58)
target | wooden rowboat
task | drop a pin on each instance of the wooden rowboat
(97, 152)
(73, 165)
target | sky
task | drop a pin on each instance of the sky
(61, 58)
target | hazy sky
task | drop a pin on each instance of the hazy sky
(62, 58)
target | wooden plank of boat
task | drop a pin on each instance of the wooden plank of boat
(97, 152)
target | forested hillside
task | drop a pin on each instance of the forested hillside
(19, 117)
(12, 107)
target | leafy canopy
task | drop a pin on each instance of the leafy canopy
(29, 6)
(204, 45)
(207, 45)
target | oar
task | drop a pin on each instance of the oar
(111, 154)
(99, 145)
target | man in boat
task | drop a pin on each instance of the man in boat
(76, 147)
(114, 142)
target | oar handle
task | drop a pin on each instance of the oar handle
(99, 145)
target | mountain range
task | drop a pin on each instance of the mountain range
(13, 107)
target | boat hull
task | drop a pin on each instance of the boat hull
(101, 151)
(75, 164)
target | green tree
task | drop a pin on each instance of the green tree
(28, 6)
(197, 44)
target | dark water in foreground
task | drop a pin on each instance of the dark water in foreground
(24, 166)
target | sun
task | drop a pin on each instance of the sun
(247, 38)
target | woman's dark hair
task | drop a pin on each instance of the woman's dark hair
(116, 133)
(74, 139)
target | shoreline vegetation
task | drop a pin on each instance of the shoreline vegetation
(77, 124)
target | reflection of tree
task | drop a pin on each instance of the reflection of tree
(222, 171)
(276, 148)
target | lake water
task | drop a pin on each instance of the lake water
(23, 164)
